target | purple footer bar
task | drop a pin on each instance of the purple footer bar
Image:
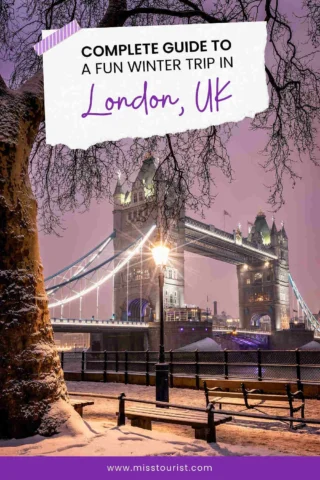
(221, 468)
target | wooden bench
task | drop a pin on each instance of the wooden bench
(257, 398)
(203, 421)
(79, 405)
(268, 386)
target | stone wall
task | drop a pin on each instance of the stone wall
(290, 339)
(178, 334)
(120, 341)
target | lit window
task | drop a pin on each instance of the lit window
(258, 278)
(248, 281)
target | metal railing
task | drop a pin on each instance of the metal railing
(98, 323)
(240, 330)
(290, 365)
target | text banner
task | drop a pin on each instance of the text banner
(108, 84)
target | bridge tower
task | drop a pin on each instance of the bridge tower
(264, 286)
(136, 290)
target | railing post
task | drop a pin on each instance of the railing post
(105, 365)
(117, 361)
(259, 365)
(298, 367)
(171, 368)
(126, 367)
(62, 359)
(83, 359)
(226, 366)
(122, 413)
(197, 369)
(147, 369)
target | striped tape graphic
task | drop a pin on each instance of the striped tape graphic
(57, 37)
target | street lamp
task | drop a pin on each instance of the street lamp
(160, 253)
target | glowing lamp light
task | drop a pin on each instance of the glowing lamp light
(160, 255)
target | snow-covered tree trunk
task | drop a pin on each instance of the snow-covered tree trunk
(31, 378)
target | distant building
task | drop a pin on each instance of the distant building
(72, 341)
(224, 320)
(183, 314)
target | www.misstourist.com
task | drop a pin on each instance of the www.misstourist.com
(159, 468)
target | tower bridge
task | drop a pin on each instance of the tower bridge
(209, 241)
(261, 263)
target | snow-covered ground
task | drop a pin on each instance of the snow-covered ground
(98, 435)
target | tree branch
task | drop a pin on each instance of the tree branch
(172, 13)
(3, 86)
(115, 14)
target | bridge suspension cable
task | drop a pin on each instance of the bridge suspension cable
(95, 252)
(92, 275)
(312, 321)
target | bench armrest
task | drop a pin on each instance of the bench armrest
(298, 394)
(255, 390)
(291, 396)
(207, 390)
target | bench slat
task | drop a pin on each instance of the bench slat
(169, 413)
(251, 396)
(162, 418)
(232, 401)
(233, 383)
(80, 403)
(259, 404)
(193, 422)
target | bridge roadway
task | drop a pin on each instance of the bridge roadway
(240, 330)
(77, 325)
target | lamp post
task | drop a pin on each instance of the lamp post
(160, 254)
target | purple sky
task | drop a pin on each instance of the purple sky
(242, 199)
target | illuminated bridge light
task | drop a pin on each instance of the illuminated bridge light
(108, 276)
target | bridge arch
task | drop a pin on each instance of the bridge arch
(261, 320)
(138, 309)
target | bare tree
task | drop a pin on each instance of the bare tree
(30, 375)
